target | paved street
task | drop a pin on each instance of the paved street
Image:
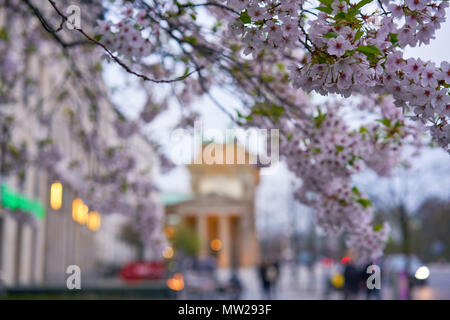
(304, 288)
(312, 287)
(438, 284)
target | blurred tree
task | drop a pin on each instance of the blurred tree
(131, 237)
(186, 240)
(395, 207)
(431, 239)
(404, 202)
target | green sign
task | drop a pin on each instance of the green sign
(16, 201)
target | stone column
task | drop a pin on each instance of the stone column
(201, 229)
(26, 252)
(224, 236)
(9, 250)
(249, 252)
(39, 267)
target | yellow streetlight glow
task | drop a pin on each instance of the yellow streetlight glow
(56, 192)
(93, 222)
(216, 244)
(176, 283)
(76, 204)
(82, 214)
(168, 253)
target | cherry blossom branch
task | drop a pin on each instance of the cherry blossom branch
(382, 8)
(115, 58)
(211, 4)
(50, 29)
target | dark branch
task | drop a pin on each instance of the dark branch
(52, 31)
(114, 57)
(211, 4)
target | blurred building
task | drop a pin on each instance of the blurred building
(221, 206)
(36, 251)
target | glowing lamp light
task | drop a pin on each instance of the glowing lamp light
(168, 253)
(216, 245)
(80, 211)
(176, 283)
(93, 221)
(345, 260)
(76, 203)
(56, 192)
(422, 273)
(83, 214)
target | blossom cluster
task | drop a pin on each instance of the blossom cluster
(267, 24)
(324, 150)
(326, 156)
(125, 38)
(350, 48)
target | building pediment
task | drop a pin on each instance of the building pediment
(212, 199)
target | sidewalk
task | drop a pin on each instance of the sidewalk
(289, 287)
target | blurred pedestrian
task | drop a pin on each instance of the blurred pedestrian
(235, 286)
(352, 278)
(403, 285)
(269, 273)
(264, 281)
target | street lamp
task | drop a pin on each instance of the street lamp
(76, 204)
(216, 245)
(176, 283)
(79, 211)
(56, 192)
(168, 253)
(83, 214)
(93, 221)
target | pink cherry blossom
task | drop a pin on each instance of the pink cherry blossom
(338, 46)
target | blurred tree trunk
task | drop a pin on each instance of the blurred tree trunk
(140, 252)
(406, 244)
(3, 146)
(131, 237)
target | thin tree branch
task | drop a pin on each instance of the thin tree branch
(211, 4)
(51, 30)
(114, 57)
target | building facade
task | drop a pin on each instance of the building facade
(221, 207)
(39, 253)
